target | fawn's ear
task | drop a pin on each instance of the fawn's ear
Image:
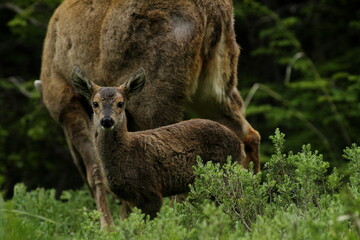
(135, 84)
(82, 84)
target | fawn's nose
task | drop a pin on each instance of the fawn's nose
(107, 122)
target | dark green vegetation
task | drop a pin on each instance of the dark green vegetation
(32, 147)
(303, 57)
(298, 70)
(297, 196)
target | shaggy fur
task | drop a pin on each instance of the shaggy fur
(187, 48)
(143, 167)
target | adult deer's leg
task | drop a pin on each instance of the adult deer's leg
(76, 128)
(233, 117)
(77, 160)
(67, 109)
(219, 87)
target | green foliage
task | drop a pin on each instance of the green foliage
(294, 224)
(238, 191)
(294, 198)
(307, 71)
(31, 17)
(299, 178)
(41, 211)
(299, 70)
(31, 143)
(353, 154)
(26, 154)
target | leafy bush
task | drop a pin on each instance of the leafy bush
(297, 178)
(238, 191)
(295, 197)
(353, 154)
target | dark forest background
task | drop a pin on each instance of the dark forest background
(299, 70)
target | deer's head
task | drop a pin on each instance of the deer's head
(108, 103)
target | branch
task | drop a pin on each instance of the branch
(297, 113)
(289, 67)
(276, 18)
(20, 11)
(17, 82)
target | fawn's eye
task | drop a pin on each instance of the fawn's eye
(120, 104)
(95, 104)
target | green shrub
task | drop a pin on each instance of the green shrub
(45, 217)
(353, 154)
(329, 223)
(295, 197)
(297, 178)
(239, 191)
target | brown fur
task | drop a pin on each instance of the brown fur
(143, 167)
(187, 48)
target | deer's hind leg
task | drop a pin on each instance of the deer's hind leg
(218, 98)
(233, 117)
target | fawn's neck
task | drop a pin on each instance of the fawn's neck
(110, 143)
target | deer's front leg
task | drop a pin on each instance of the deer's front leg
(76, 125)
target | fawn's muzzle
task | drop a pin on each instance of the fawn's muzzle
(107, 122)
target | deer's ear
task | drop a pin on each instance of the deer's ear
(82, 84)
(135, 84)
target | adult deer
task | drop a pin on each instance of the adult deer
(187, 48)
